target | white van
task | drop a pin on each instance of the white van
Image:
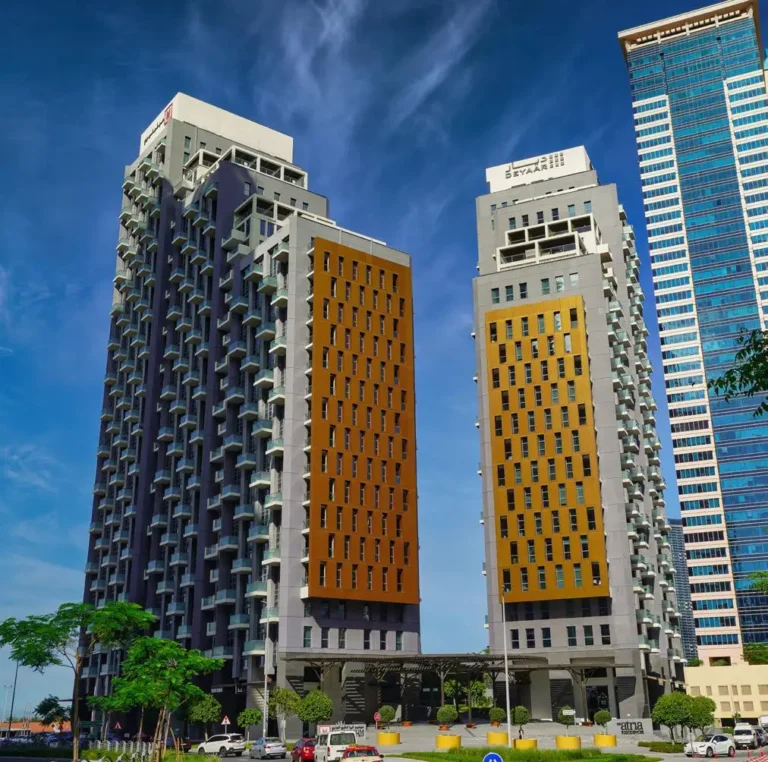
(745, 737)
(331, 743)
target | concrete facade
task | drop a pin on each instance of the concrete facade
(594, 261)
(741, 688)
(202, 511)
(683, 590)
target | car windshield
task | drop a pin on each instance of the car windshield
(235, 738)
(272, 740)
(705, 738)
(743, 732)
(362, 753)
(342, 739)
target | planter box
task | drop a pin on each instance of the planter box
(526, 744)
(388, 738)
(604, 740)
(497, 738)
(448, 742)
(567, 742)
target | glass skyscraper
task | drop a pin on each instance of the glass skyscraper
(701, 119)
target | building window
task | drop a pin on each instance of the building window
(382, 640)
(342, 637)
(523, 290)
(187, 141)
(512, 223)
(509, 293)
(589, 638)
(525, 220)
(546, 637)
(366, 640)
(571, 633)
(555, 214)
(574, 281)
(246, 189)
(530, 637)
(539, 218)
(605, 634)
(398, 641)
(324, 637)
(494, 296)
(587, 207)
(545, 289)
(186, 156)
(559, 579)
(559, 284)
(571, 210)
(577, 575)
(307, 637)
(515, 639)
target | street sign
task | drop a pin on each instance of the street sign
(226, 721)
(118, 726)
(377, 716)
(492, 756)
(569, 712)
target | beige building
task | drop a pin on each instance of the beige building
(741, 688)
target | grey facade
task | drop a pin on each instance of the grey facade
(683, 590)
(601, 265)
(201, 492)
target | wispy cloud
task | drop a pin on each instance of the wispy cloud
(27, 465)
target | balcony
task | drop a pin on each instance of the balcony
(280, 298)
(208, 603)
(261, 480)
(225, 597)
(265, 379)
(259, 533)
(177, 608)
(179, 559)
(269, 615)
(191, 530)
(246, 461)
(221, 652)
(229, 543)
(159, 521)
(254, 648)
(274, 500)
(266, 332)
(275, 447)
(243, 511)
(239, 622)
(230, 492)
(242, 566)
(155, 567)
(277, 395)
(252, 318)
(271, 557)
(172, 493)
(253, 273)
(188, 580)
(262, 428)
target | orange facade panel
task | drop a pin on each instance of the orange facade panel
(363, 530)
(544, 462)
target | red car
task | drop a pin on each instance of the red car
(368, 753)
(303, 750)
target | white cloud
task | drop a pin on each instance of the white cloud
(47, 530)
(28, 465)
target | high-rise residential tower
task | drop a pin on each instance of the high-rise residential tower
(701, 120)
(576, 538)
(256, 473)
(683, 590)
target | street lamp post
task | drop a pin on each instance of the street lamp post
(506, 671)
(13, 699)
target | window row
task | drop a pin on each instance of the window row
(535, 349)
(538, 521)
(381, 328)
(362, 297)
(545, 288)
(336, 464)
(369, 420)
(338, 267)
(337, 521)
(345, 546)
(337, 638)
(321, 609)
(534, 474)
(566, 549)
(356, 408)
(571, 637)
(567, 608)
(355, 366)
(546, 420)
(543, 577)
(544, 445)
(561, 370)
(543, 324)
(360, 578)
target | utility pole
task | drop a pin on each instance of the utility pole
(13, 698)
(6, 688)
(506, 670)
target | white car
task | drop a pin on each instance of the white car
(223, 744)
(268, 748)
(711, 745)
(330, 746)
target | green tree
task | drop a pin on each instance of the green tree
(247, 718)
(602, 718)
(565, 719)
(759, 582)
(447, 715)
(756, 653)
(127, 695)
(701, 713)
(673, 710)
(694, 662)
(454, 690)
(315, 707)
(520, 717)
(497, 714)
(387, 714)
(749, 375)
(168, 669)
(283, 703)
(51, 711)
(67, 638)
(206, 712)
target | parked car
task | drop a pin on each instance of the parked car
(368, 753)
(709, 745)
(303, 750)
(762, 735)
(745, 736)
(268, 748)
(223, 744)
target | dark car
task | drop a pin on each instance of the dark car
(304, 750)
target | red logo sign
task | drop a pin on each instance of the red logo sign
(376, 716)
(168, 114)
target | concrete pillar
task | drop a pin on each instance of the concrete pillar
(578, 698)
(613, 706)
(541, 695)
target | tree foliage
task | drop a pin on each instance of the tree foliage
(387, 714)
(749, 375)
(565, 719)
(67, 637)
(247, 718)
(497, 714)
(695, 662)
(283, 703)
(673, 710)
(205, 711)
(759, 582)
(602, 718)
(51, 711)
(446, 715)
(701, 713)
(315, 707)
(756, 653)
(520, 717)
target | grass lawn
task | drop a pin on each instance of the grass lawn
(509, 755)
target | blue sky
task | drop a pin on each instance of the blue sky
(396, 109)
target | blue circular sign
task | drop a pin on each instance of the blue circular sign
(492, 756)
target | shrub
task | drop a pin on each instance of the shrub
(663, 747)
(315, 707)
(446, 715)
(387, 714)
(565, 719)
(694, 662)
(603, 717)
(497, 714)
(520, 717)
